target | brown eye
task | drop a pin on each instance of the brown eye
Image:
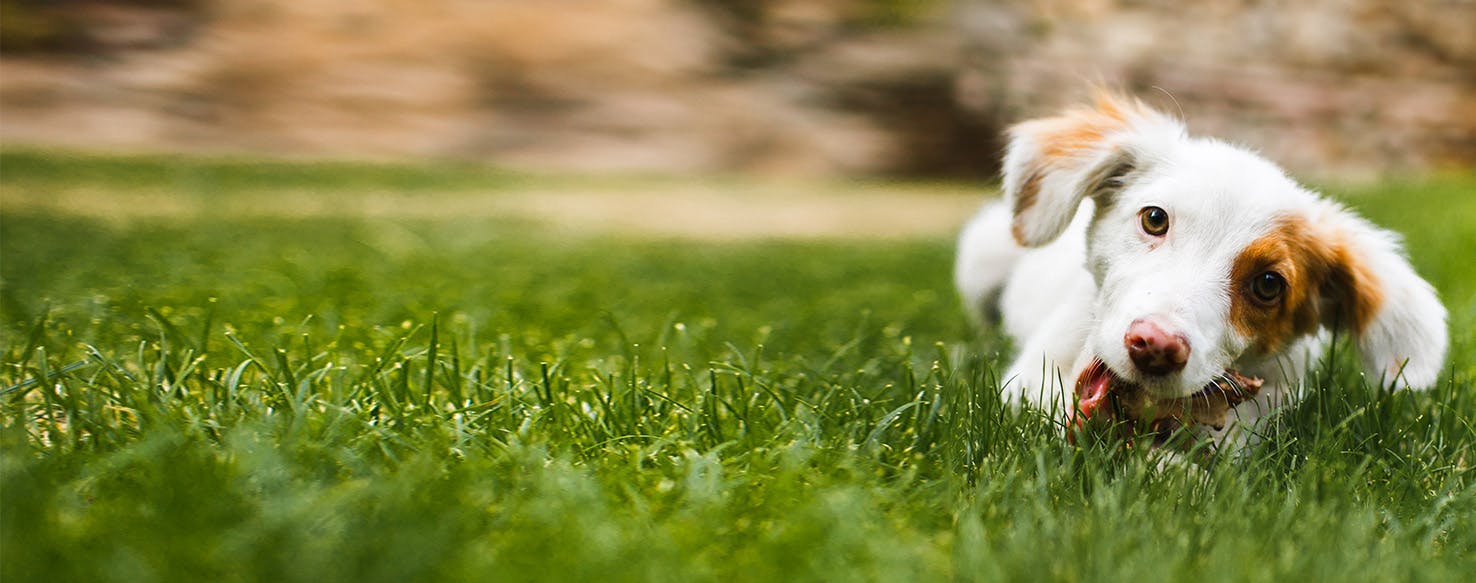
(1268, 287)
(1155, 220)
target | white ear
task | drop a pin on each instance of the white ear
(1395, 314)
(1051, 164)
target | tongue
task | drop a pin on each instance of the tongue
(1091, 391)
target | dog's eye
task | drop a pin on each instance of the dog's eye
(1268, 287)
(1155, 220)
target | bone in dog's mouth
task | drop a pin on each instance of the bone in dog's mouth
(1101, 393)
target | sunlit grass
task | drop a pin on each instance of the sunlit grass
(228, 398)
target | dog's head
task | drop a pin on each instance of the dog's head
(1206, 255)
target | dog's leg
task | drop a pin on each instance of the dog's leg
(1042, 375)
(986, 256)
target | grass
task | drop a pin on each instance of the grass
(370, 398)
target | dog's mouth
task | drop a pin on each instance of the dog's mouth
(1101, 393)
(1093, 387)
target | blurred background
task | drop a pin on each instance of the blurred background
(920, 88)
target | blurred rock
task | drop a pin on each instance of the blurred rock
(1343, 87)
(776, 86)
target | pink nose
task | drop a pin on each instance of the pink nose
(1154, 351)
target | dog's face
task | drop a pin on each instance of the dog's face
(1206, 256)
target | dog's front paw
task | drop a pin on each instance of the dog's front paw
(1035, 390)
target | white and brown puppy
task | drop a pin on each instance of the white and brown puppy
(1173, 259)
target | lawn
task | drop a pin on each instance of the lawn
(202, 383)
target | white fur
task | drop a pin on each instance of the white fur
(1082, 269)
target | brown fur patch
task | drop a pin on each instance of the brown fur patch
(1355, 287)
(1326, 284)
(1029, 190)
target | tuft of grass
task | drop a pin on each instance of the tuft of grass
(379, 399)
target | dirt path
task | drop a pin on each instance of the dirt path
(682, 210)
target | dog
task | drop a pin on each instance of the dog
(1127, 254)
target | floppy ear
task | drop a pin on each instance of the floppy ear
(1375, 294)
(1051, 164)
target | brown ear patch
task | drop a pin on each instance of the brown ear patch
(1326, 285)
(1082, 129)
